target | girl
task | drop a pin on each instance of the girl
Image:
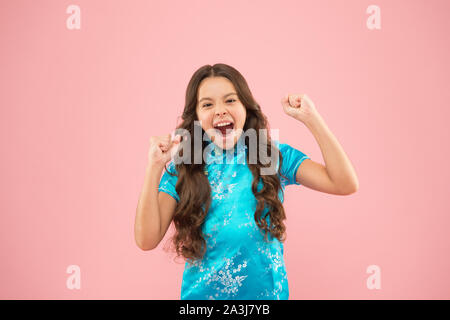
(227, 214)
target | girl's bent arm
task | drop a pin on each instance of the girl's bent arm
(342, 178)
(154, 213)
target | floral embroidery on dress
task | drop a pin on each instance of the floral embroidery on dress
(220, 188)
(226, 276)
(226, 280)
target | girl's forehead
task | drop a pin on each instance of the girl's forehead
(216, 86)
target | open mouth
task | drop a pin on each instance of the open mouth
(224, 127)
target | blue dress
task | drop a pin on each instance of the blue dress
(238, 263)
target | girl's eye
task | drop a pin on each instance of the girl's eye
(207, 104)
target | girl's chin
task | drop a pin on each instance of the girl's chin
(225, 142)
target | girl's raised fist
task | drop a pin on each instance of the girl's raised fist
(162, 149)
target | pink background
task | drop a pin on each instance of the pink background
(78, 108)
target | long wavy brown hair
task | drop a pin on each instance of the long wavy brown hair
(193, 186)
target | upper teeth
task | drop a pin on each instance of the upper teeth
(223, 124)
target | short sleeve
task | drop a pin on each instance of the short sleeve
(168, 182)
(292, 159)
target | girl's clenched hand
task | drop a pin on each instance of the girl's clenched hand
(299, 106)
(162, 149)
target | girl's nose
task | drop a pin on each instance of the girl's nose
(220, 110)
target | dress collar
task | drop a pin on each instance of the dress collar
(213, 153)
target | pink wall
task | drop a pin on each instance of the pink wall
(78, 108)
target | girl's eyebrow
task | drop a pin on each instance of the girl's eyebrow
(206, 98)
